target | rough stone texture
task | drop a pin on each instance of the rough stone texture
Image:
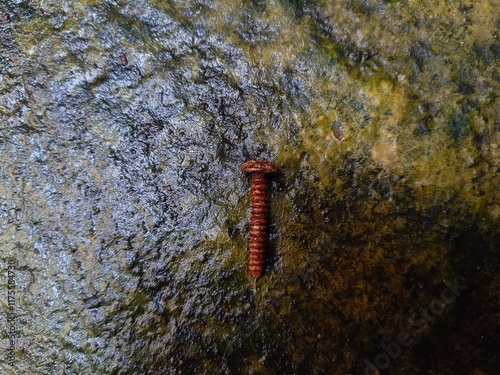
(123, 128)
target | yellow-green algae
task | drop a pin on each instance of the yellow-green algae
(396, 157)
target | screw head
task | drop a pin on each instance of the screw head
(259, 166)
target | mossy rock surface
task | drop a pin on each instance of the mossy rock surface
(124, 126)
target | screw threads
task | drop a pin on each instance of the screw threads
(258, 217)
(258, 224)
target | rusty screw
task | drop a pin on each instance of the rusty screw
(258, 218)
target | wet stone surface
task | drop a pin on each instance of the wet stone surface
(123, 128)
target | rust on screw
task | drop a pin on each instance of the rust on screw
(258, 217)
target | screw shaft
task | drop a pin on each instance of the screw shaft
(258, 224)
